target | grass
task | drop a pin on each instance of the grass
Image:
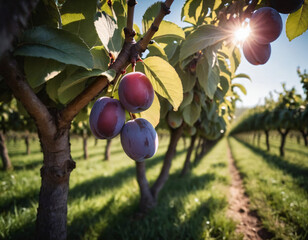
(277, 186)
(104, 196)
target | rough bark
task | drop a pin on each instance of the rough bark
(283, 141)
(267, 140)
(107, 150)
(149, 195)
(187, 164)
(85, 146)
(6, 161)
(55, 173)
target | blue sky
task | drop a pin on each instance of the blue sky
(286, 56)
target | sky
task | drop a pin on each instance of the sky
(281, 68)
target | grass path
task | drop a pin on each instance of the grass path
(249, 224)
(277, 188)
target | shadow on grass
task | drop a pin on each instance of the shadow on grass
(297, 172)
(161, 223)
(96, 185)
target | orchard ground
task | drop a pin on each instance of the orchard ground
(103, 196)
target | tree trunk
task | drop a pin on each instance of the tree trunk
(7, 165)
(305, 134)
(147, 200)
(85, 146)
(197, 149)
(259, 138)
(55, 173)
(95, 142)
(267, 140)
(186, 165)
(283, 141)
(107, 150)
(28, 151)
(149, 195)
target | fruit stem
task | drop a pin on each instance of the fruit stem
(133, 66)
(117, 81)
(132, 116)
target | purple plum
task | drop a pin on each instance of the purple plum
(107, 118)
(136, 92)
(139, 139)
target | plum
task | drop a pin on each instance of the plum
(256, 53)
(136, 92)
(139, 139)
(107, 118)
(286, 6)
(265, 25)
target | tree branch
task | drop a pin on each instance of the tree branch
(129, 54)
(14, 78)
(164, 10)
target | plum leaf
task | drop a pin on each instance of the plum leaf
(297, 22)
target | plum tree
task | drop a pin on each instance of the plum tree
(256, 53)
(107, 118)
(136, 92)
(139, 139)
(266, 25)
(286, 6)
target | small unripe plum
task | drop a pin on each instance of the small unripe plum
(107, 118)
(256, 53)
(136, 92)
(286, 6)
(265, 25)
(174, 119)
(139, 139)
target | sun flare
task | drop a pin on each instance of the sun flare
(242, 33)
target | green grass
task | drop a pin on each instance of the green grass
(277, 187)
(104, 196)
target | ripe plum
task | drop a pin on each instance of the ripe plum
(256, 53)
(139, 139)
(107, 118)
(136, 92)
(265, 25)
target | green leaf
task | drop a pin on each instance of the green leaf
(203, 37)
(152, 114)
(78, 18)
(40, 70)
(241, 75)
(150, 15)
(169, 30)
(53, 85)
(208, 74)
(156, 50)
(297, 22)
(240, 86)
(187, 99)
(46, 13)
(235, 59)
(56, 44)
(191, 113)
(169, 45)
(108, 33)
(100, 58)
(192, 11)
(164, 79)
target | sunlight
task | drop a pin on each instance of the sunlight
(242, 33)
